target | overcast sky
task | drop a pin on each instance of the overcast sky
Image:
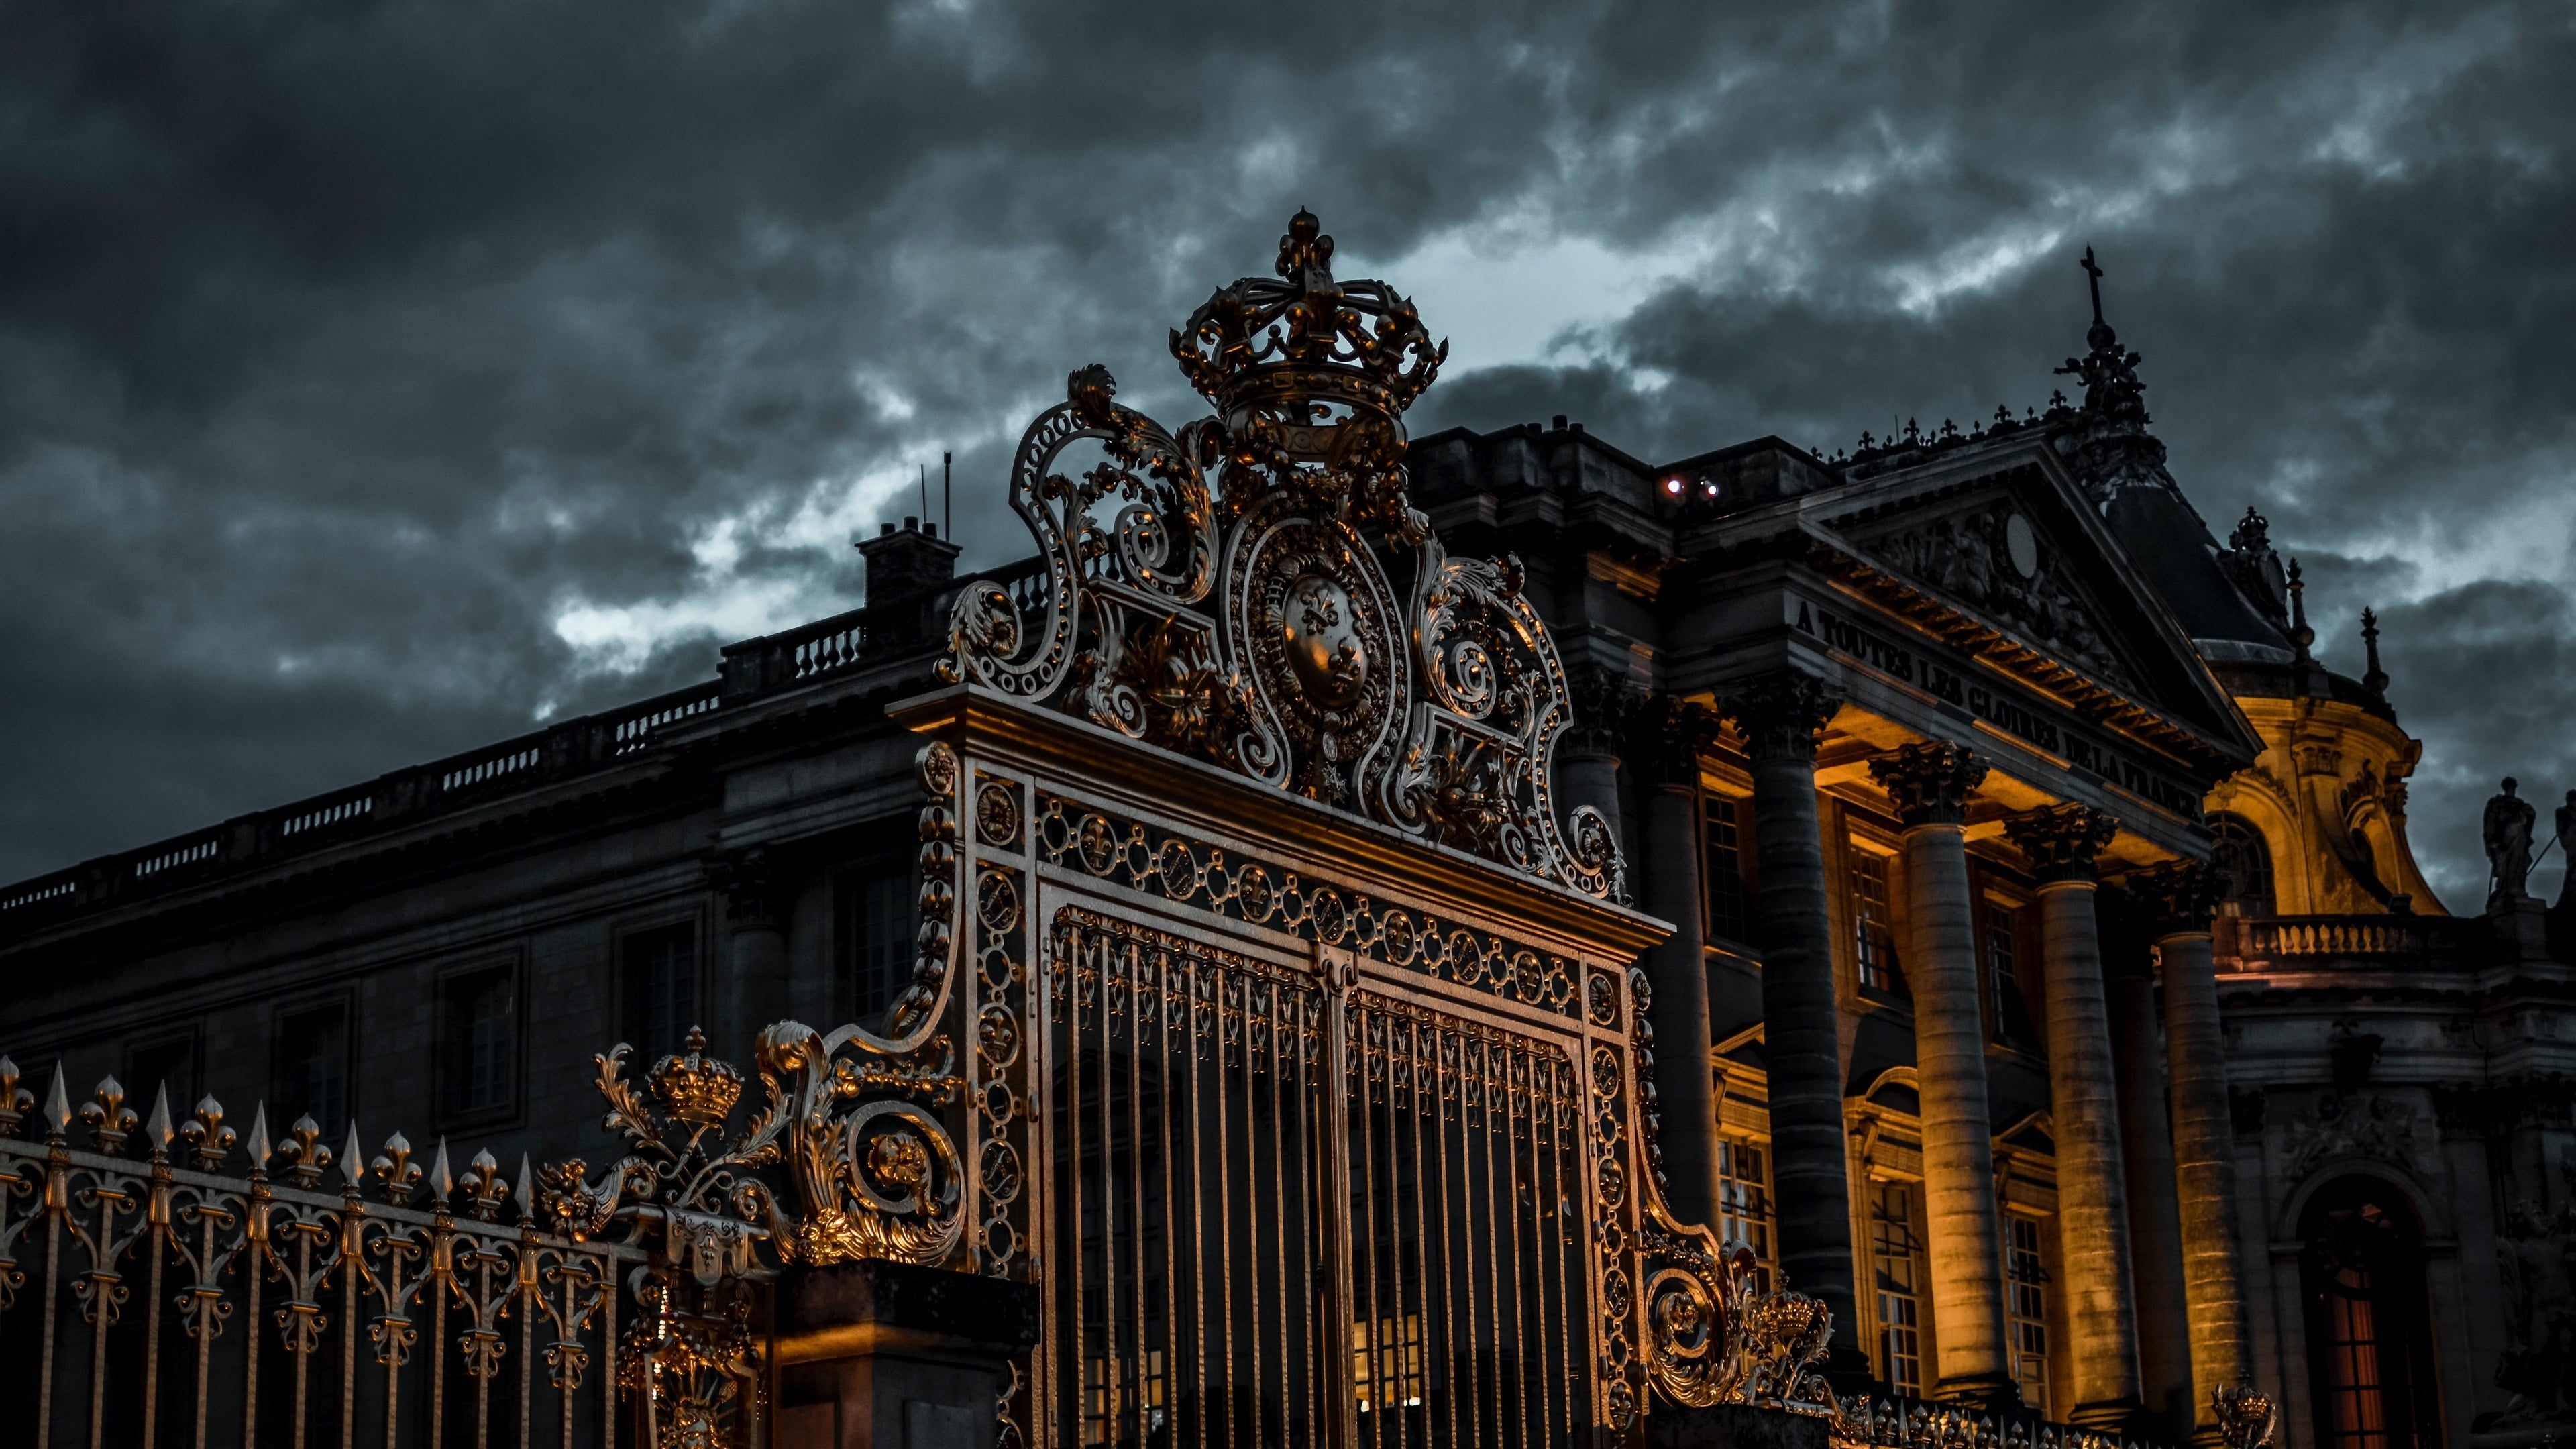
(377, 380)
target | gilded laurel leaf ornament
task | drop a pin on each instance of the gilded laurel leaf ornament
(1224, 591)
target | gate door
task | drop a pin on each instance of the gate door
(1293, 1210)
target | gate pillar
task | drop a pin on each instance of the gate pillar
(896, 1356)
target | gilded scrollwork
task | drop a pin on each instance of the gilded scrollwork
(1438, 717)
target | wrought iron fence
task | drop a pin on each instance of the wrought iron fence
(170, 1280)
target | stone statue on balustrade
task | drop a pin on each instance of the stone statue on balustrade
(2563, 835)
(2507, 826)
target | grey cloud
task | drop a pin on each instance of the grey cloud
(340, 347)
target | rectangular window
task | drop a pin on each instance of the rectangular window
(1122, 1399)
(875, 929)
(1744, 1201)
(479, 1057)
(311, 1078)
(2027, 1280)
(1895, 1255)
(1730, 912)
(169, 1064)
(1873, 924)
(657, 990)
(1387, 1364)
(2003, 973)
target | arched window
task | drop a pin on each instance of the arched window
(2238, 851)
(2370, 1342)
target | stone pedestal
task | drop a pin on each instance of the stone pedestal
(896, 1357)
(2521, 926)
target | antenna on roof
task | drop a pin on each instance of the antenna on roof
(925, 490)
(947, 488)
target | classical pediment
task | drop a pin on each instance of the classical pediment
(2014, 549)
(1988, 550)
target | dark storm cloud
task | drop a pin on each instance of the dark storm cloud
(375, 377)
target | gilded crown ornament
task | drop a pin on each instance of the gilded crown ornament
(1254, 624)
(695, 1087)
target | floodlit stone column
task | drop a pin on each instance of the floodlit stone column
(1929, 784)
(2204, 1136)
(750, 982)
(2092, 1197)
(1781, 715)
(1668, 747)
(2146, 1143)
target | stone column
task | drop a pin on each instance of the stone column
(1781, 715)
(2092, 1196)
(749, 988)
(1929, 784)
(2146, 1140)
(1670, 738)
(1590, 754)
(2204, 1137)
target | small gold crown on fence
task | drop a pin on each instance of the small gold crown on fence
(695, 1087)
(1304, 350)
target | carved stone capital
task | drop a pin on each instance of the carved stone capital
(754, 897)
(2061, 841)
(1783, 713)
(2179, 896)
(1606, 705)
(1929, 781)
(1666, 737)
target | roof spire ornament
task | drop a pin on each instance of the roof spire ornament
(2112, 392)
(2301, 636)
(2374, 678)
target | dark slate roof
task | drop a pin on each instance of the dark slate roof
(2168, 543)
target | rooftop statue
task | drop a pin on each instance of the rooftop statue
(2507, 826)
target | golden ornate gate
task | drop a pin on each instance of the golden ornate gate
(1303, 1062)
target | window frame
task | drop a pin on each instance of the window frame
(189, 1035)
(1860, 844)
(621, 1000)
(847, 880)
(445, 1106)
(281, 1013)
(1747, 892)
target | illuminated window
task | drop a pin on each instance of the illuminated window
(1121, 1396)
(1873, 925)
(1894, 1252)
(2028, 1281)
(1730, 914)
(1744, 1200)
(1386, 1363)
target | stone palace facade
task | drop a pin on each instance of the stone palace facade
(2040, 975)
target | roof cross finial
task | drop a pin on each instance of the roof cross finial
(2093, 275)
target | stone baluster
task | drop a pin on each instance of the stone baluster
(1929, 784)
(2061, 842)
(1666, 749)
(2146, 1142)
(1782, 714)
(2204, 1135)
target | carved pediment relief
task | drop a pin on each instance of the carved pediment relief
(1990, 553)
